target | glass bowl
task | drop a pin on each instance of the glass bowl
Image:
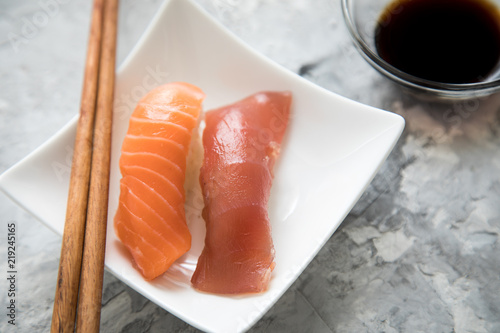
(361, 17)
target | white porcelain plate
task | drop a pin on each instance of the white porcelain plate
(331, 151)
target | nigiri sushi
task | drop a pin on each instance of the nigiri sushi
(150, 219)
(241, 144)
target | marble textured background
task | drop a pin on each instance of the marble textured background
(418, 253)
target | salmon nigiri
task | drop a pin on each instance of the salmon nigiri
(241, 143)
(150, 220)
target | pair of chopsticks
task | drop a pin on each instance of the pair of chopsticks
(81, 266)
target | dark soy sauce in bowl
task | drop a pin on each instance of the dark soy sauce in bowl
(448, 41)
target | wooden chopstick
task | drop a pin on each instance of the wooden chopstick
(89, 300)
(68, 277)
(91, 144)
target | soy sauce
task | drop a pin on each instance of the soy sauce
(449, 41)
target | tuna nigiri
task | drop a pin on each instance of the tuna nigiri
(241, 143)
(150, 219)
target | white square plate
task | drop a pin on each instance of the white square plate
(331, 151)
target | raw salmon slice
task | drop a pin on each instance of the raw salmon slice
(241, 143)
(150, 220)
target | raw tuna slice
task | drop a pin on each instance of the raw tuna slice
(241, 143)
